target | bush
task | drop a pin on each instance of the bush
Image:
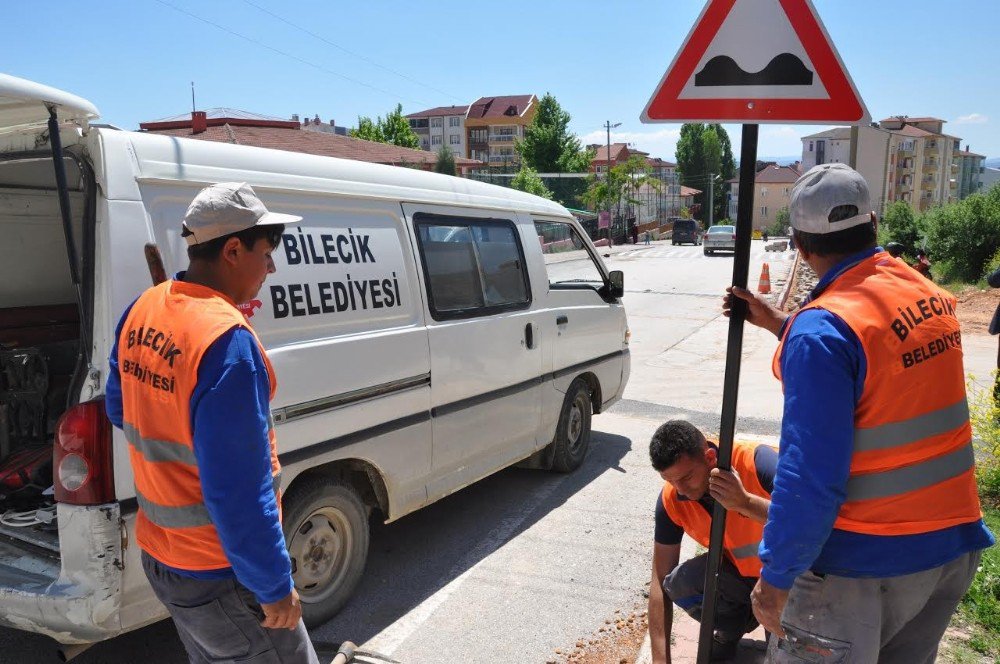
(984, 412)
(965, 235)
(900, 224)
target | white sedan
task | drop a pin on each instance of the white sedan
(720, 238)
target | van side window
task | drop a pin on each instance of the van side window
(473, 267)
(567, 260)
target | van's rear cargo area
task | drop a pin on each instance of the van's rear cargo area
(40, 348)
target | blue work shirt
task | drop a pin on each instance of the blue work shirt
(230, 408)
(823, 370)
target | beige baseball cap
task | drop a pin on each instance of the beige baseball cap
(225, 208)
(823, 188)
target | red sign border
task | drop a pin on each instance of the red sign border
(843, 106)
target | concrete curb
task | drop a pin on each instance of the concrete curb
(645, 653)
(790, 282)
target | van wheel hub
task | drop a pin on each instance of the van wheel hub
(574, 428)
(319, 550)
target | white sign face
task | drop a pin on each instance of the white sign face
(762, 64)
(757, 61)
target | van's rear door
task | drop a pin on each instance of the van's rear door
(25, 105)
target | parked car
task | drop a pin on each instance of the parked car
(720, 238)
(685, 230)
(427, 331)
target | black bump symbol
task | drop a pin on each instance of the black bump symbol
(784, 69)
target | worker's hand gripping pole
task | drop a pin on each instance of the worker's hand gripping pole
(731, 384)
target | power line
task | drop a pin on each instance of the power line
(285, 54)
(349, 52)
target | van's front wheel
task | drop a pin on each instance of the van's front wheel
(326, 531)
(573, 433)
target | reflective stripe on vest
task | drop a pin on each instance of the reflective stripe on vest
(906, 479)
(895, 434)
(186, 516)
(160, 347)
(742, 535)
(747, 550)
(912, 463)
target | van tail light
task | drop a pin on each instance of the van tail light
(82, 468)
(734, 236)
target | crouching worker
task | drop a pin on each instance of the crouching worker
(687, 463)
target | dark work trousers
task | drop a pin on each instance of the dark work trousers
(218, 620)
(685, 586)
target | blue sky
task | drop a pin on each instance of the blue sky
(135, 59)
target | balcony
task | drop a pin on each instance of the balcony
(502, 138)
(503, 158)
(931, 164)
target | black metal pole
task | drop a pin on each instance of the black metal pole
(731, 384)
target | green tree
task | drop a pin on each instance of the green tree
(620, 187)
(699, 154)
(445, 161)
(900, 224)
(368, 130)
(727, 170)
(394, 129)
(549, 147)
(527, 180)
(781, 223)
(963, 237)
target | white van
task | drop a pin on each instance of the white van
(426, 330)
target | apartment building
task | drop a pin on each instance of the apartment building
(970, 172)
(827, 147)
(442, 125)
(493, 124)
(772, 192)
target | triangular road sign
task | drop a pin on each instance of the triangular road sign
(757, 61)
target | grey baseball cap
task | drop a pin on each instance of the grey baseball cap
(823, 188)
(225, 208)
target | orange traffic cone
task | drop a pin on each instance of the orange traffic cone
(764, 287)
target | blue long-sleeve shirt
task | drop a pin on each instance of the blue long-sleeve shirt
(823, 369)
(229, 417)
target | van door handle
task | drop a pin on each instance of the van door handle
(562, 320)
(529, 336)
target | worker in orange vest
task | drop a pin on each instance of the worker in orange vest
(875, 531)
(190, 385)
(687, 464)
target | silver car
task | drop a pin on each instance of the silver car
(720, 238)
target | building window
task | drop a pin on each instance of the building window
(454, 121)
(436, 140)
(810, 146)
(455, 139)
(763, 211)
(478, 135)
(786, 191)
(763, 192)
(437, 123)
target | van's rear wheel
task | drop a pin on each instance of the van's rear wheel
(573, 433)
(326, 530)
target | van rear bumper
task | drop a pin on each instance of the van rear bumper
(75, 599)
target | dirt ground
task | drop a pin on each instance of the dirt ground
(976, 307)
(617, 641)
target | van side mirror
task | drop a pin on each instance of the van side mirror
(616, 283)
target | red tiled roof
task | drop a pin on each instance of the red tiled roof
(440, 111)
(498, 107)
(601, 155)
(966, 153)
(689, 191)
(317, 143)
(777, 175)
(913, 132)
(656, 161)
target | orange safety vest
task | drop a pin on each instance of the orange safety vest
(913, 468)
(161, 345)
(742, 535)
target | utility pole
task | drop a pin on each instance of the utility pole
(608, 126)
(193, 107)
(711, 198)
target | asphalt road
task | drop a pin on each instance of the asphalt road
(525, 562)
